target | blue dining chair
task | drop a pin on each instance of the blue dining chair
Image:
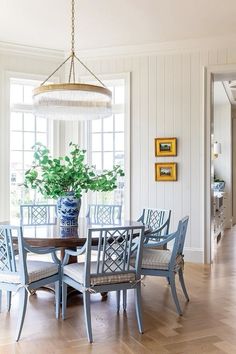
(104, 213)
(158, 223)
(110, 271)
(167, 263)
(38, 214)
(34, 215)
(19, 275)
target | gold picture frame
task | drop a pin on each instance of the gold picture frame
(165, 171)
(165, 147)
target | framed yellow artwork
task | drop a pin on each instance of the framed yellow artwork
(166, 171)
(165, 147)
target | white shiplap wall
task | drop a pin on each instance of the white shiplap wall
(167, 101)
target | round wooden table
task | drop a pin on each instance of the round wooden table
(67, 237)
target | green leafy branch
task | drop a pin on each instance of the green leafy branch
(55, 177)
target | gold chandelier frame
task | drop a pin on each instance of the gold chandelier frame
(47, 96)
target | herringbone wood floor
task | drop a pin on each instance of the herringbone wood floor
(207, 326)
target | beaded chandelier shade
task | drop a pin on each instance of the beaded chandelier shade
(72, 100)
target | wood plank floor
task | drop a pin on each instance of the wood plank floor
(207, 326)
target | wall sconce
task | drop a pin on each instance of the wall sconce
(216, 149)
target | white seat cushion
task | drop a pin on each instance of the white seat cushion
(159, 259)
(76, 272)
(36, 270)
(155, 259)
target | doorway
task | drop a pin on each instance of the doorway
(218, 204)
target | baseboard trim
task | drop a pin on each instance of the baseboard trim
(193, 255)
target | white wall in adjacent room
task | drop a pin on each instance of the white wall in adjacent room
(223, 135)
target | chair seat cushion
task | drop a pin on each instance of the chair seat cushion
(76, 272)
(36, 270)
(159, 259)
(155, 259)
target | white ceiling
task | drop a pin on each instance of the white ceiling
(111, 23)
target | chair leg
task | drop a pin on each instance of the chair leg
(174, 294)
(181, 280)
(57, 297)
(87, 314)
(138, 307)
(22, 309)
(64, 300)
(8, 300)
(118, 300)
(124, 300)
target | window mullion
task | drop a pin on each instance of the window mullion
(20, 103)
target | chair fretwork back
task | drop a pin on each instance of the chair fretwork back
(7, 257)
(105, 214)
(155, 219)
(114, 249)
(7, 254)
(41, 214)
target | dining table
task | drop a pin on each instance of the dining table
(69, 236)
(62, 237)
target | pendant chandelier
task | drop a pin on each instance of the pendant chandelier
(72, 100)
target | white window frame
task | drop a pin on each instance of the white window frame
(84, 138)
(28, 78)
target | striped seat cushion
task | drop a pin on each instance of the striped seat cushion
(76, 272)
(159, 259)
(156, 259)
(36, 270)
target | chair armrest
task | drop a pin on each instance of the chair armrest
(69, 253)
(43, 250)
(168, 238)
(39, 250)
(153, 232)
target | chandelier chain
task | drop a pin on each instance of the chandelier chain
(73, 26)
(72, 56)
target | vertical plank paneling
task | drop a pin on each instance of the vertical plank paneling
(212, 57)
(152, 128)
(144, 131)
(231, 55)
(160, 120)
(177, 212)
(169, 124)
(195, 148)
(203, 62)
(222, 56)
(186, 141)
(108, 66)
(135, 140)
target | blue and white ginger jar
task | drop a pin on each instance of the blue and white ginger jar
(68, 208)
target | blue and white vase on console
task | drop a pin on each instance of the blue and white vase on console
(68, 208)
